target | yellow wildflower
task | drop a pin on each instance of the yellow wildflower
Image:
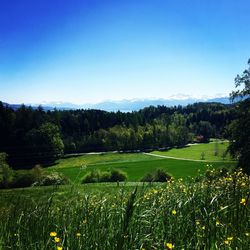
(203, 228)
(197, 222)
(217, 223)
(247, 234)
(226, 242)
(170, 246)
(53, 234)
(78, 234)
(59, 248)
(230, 238)
(174, 212)
(243, 201)
(57, 239)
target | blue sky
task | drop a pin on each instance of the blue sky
(90, 51)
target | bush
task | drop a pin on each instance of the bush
(162, 176)
(6, 172)
(27, 178)
(38, 172)
(107, 176)
(148, 177)
(52, 179)
(23, 179)
(7, 176)
(158, 175)
(117, 175)
(91, 177)
(37, 177)
(104, 176)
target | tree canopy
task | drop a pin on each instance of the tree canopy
(45, 142)
(32, 136)
(240, 128)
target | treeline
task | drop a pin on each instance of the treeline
(30, 136)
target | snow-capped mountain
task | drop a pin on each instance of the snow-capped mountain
(127, 105)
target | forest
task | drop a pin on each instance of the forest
(30, 136)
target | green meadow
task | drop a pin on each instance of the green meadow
(213, 151)
(212, 213)
(136, 170)
(136, 165)
(207, 212)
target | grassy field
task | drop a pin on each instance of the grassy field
(210, 214)
(86, 159)
(136, 165)
(213, 151)
(136, 170)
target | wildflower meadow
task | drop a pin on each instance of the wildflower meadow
(210, 212)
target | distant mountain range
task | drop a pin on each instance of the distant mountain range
(134, 105)
(124, 105)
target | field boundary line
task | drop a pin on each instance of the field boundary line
(182, 159)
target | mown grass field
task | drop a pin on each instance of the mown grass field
(136, 165)
(213, 151)
(136, 170)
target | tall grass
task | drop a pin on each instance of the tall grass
(206, 213)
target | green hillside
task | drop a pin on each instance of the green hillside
(213, 151)
(136, 165)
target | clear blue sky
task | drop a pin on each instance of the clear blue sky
(87, 51)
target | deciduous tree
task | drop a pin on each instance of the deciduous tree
(240, 128)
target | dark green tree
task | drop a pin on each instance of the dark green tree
(205, 129)
(22, 130)
(45, 143)
(240, 128)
